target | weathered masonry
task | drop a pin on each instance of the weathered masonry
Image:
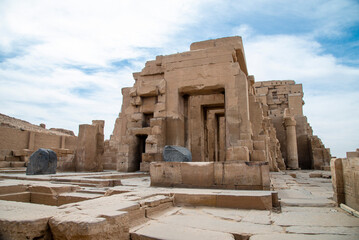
(283, 102)
(202, 99)
(205, 100)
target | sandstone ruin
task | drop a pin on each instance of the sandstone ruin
(249, 178)
(205, 100)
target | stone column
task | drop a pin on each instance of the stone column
(292, 150)
(63, 142)
(31, 143)
(90, 147)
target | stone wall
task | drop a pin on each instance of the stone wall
(277, 97)
(222, 175)
(345, 179)
(16, 145)
(202, 99)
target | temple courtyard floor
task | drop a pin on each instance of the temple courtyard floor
(113, 205)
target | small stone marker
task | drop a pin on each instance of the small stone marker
(176, 154)
(43, 161)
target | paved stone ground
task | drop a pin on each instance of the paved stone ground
(307, 212)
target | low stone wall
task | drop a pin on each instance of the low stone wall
(221, 175)
(345, 179)
(16, 139)
(17, 145)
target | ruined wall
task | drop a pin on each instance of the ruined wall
(90, 147)
(276, 97)
(345, 179)
(202, 99)
(16, 145)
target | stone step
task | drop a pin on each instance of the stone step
(17, 164)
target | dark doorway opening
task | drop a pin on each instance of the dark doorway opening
(141, 148)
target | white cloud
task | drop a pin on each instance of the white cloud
(48, 40)
(331, 90)
(51, 43)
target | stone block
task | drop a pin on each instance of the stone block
(218, 173)
(155, 210)
(17, 164)
(156, 130)
(22, 152)
(42, 198)
(43, 161)
(165, 174)
(53, 189)
(258, 155)
(12, 159)
(241, 174)
(237, 153)
(136, 101)
(245, 202)
(147, 90)
(103, 225)
(12, 188)
(246, 143)
(4, 164)
(33, 223)
(148, 104)
(200, 174)
(259, 145)
(352, 154)
(145, 166)
(5, 152)
(16, 197)
(90, 147)
(195, 199)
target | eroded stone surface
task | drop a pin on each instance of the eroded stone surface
(24, 220)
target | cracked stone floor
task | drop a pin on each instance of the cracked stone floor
(307, 212)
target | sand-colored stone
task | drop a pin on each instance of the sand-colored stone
(24, 220)
(345, 179)
(223, 175)
(90, 147)
(202, 99)
(297, 142)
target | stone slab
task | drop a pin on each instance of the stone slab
(155, 230)
(281, 236)
(24, 220)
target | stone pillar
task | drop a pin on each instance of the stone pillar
(90, 147)
(63, 142)
(31, 143)
(336, 167)
(292, 150)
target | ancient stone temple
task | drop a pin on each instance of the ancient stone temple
(283, 102)
(203, 100)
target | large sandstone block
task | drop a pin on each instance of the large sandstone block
(25, 220)
(237, 153)
(101, 226)
(165, 174)
(90, 147)
(197, 174)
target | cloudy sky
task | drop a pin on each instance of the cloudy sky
(64, 63)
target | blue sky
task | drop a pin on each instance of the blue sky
(64, 63)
